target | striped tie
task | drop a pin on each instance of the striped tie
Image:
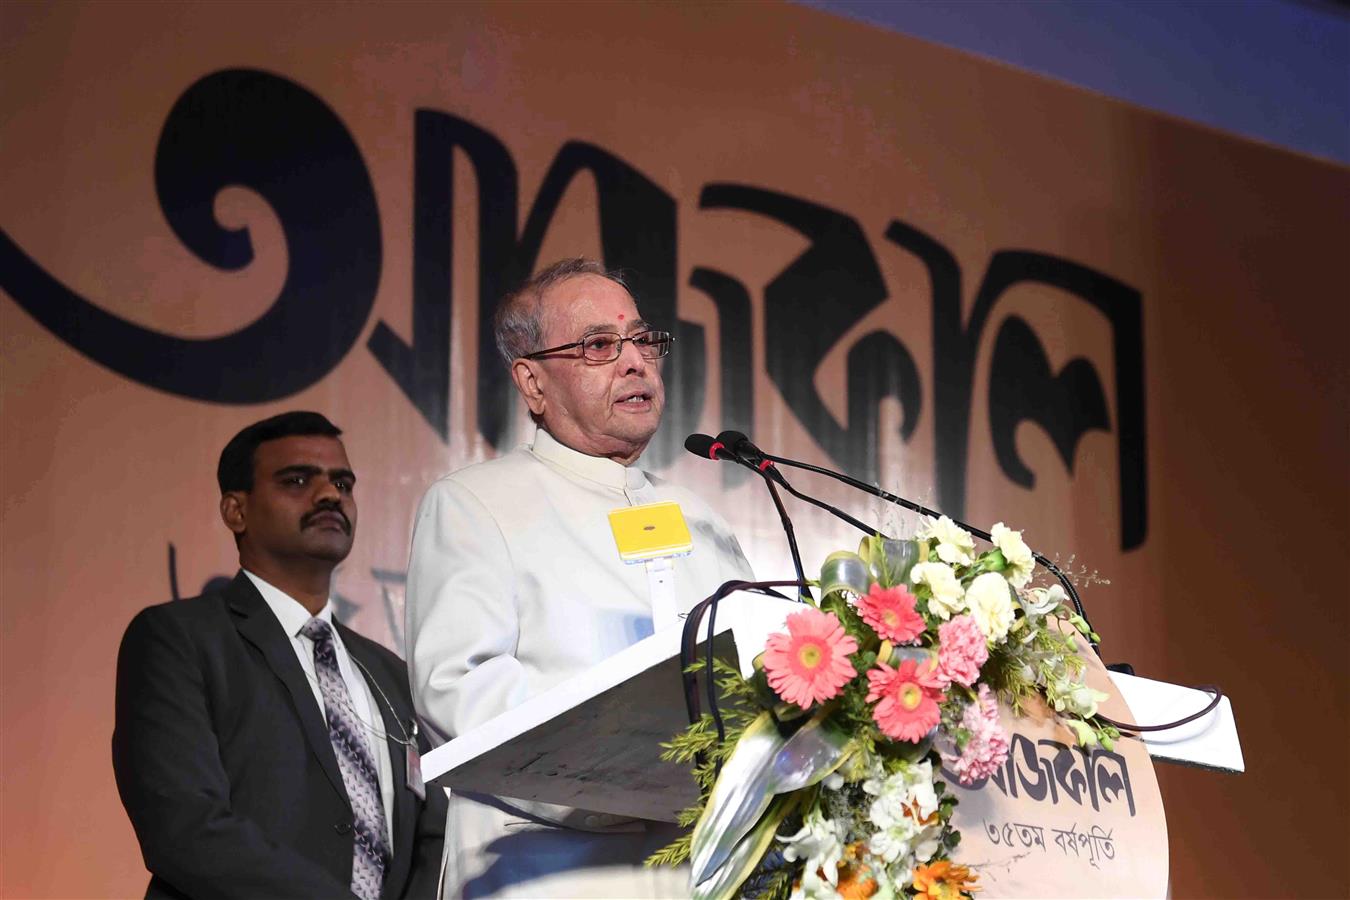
(370, 852)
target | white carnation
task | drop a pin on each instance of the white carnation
(955, 545)
(1016, 552)
(1018, 555)
(991, 605)
(948, 597)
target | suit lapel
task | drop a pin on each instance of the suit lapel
(396, 728)
(260, 628)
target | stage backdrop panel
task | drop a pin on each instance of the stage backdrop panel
(1009, 298)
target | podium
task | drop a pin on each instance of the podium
(593, 741)
(1055, 818)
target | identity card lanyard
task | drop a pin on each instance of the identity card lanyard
(654, 534)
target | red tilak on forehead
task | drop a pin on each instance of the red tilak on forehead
(620, 317)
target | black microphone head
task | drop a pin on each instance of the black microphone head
(742, 446)
(734, 439)
(701, 445)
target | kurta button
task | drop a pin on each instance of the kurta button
(342, 827)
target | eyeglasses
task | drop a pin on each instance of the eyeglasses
(605, 346)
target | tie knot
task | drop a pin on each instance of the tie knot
(317, 630)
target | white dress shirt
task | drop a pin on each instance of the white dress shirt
(515, 584)
(293, 617)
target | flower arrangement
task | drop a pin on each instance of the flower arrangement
(829, 781)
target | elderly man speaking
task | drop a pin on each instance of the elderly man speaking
(516, 583)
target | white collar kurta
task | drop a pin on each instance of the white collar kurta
(593, 468)
(515, 584)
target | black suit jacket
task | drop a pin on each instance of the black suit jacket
(224, 763)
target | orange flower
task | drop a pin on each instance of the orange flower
(912, 812)
(943, 881)
(855, 878)
(856, 883)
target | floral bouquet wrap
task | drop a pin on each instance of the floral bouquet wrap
(830, 779)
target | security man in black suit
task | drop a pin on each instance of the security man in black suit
(249, 768)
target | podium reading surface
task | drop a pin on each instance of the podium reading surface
(593, 741)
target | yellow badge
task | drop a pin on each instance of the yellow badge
(652, 531)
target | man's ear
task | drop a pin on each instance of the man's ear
(233, 506)
(529, 381)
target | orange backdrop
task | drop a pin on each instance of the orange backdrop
(1003, 296)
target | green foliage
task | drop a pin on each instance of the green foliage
(698, 738)
(1081, 624)
(733, 687)
(1005, 674)
(688, 817)
(946, 806)
(838, 604)
(770, 882)
(697, 747)
(1082, 732)
(1107, 734)
(674, 853)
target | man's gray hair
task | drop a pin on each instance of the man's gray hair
(516, 324)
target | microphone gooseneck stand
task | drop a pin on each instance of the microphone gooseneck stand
(925, 511)
(791, 535)
(756, 461)
(733, 446)
(709, 448)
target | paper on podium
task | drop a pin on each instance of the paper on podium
(1210, 742)
(593, 741)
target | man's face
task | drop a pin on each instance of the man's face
(609, 409)
(301, 507)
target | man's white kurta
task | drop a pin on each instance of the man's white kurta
(515, 584)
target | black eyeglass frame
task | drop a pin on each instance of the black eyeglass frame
(660, 340)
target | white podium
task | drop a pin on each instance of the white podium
(594, 741)
(1056, 818)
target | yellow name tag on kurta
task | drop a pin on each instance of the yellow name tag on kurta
(651, 531)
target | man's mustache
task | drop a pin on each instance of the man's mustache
(320, 510)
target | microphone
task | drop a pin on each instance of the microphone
(745, 453)
(715, 448)
(708, 447)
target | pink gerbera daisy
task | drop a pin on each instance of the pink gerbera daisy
(810, 662)
(909, 698)
(891, 613)
(962, 650)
